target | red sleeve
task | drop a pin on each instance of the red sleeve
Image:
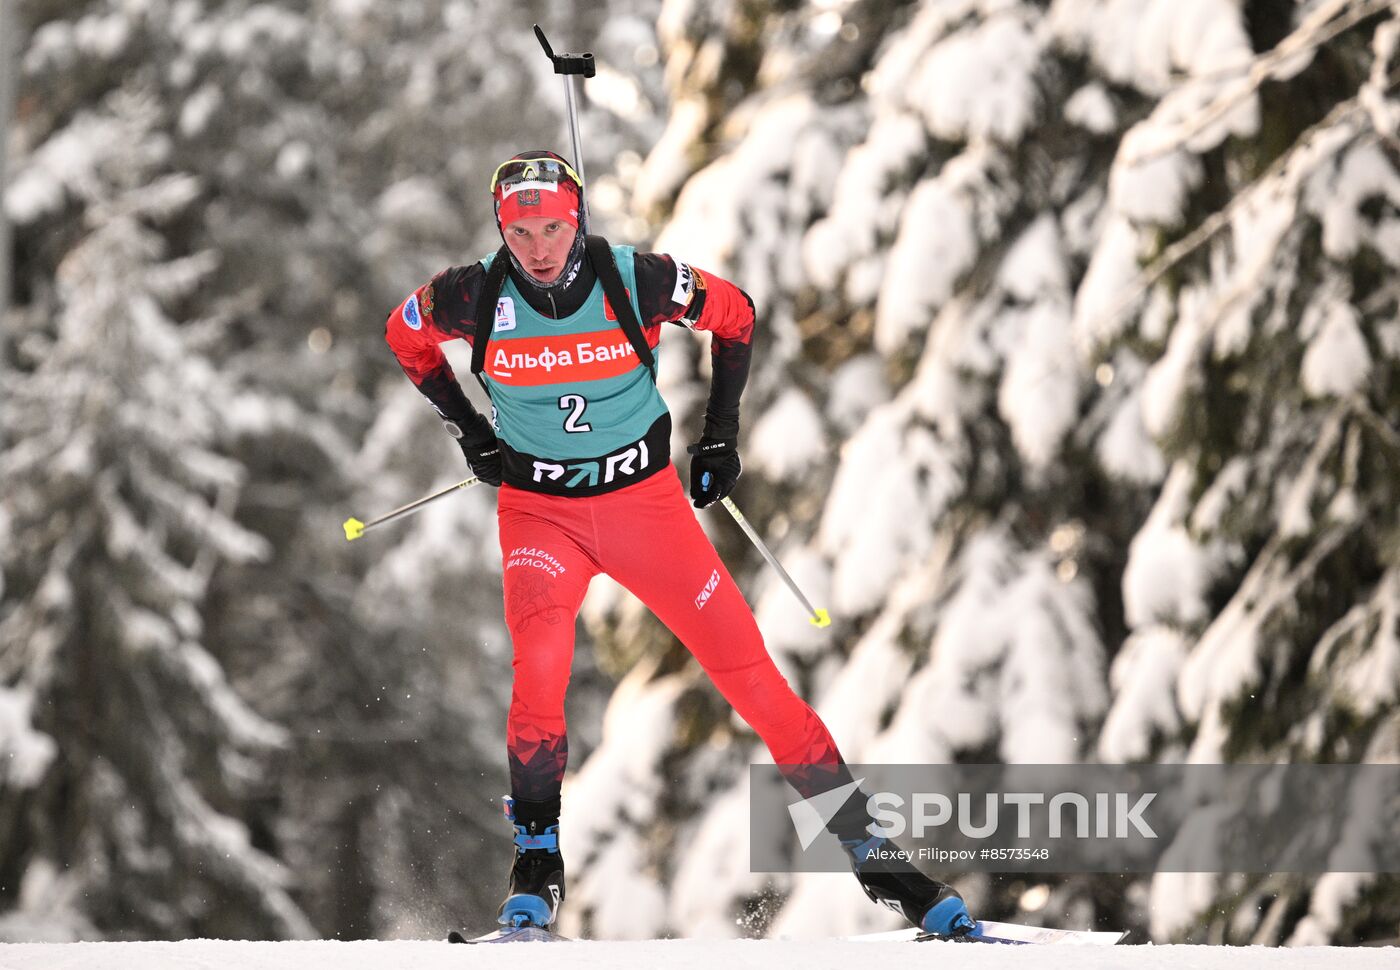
(727, 311)
(413, 334)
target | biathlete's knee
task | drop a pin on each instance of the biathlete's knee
(759, 683)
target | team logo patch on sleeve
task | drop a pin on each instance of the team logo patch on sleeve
(685, 284)
(411, 317)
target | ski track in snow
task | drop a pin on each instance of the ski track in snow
(674, 955)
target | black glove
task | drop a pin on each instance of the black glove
(479, 445)
(714, 468)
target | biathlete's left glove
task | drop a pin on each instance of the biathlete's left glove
(714, 468)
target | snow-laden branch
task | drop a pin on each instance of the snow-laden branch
(1283, 61)
(1328, 136)
(1358, 657)
(1225, 659)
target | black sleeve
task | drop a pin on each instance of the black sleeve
(664, 297)
(675, 292)
(454, 293)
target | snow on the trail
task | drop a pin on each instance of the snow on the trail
(676, 955)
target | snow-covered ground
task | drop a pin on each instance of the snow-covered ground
(674, 955)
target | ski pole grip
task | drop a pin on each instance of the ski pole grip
(582, 64)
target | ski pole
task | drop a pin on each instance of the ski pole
(354, 528)
(570, 65)
(816, 617)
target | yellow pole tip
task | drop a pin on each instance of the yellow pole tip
(354, 528)
(823, 618)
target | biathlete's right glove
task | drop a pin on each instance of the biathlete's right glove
(479, 445)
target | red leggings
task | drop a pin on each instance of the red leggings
(647, 538)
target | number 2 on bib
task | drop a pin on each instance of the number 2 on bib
(576, 404)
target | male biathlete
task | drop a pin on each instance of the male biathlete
(578, 443)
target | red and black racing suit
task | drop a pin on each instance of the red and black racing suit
(643, 534)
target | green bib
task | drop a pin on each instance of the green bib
(571, 388)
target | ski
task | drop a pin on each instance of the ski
(511, 934)
(988, 931)
(1015, 934)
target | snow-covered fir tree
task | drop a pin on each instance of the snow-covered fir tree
(136, 760)
(332, 156)
(1075, 398)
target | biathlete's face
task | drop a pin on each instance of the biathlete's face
(541, 245)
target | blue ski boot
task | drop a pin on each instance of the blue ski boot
(537, 871)
(890, 878)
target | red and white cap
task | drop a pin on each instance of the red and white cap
(544, 185)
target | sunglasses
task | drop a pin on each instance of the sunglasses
(533, 170)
